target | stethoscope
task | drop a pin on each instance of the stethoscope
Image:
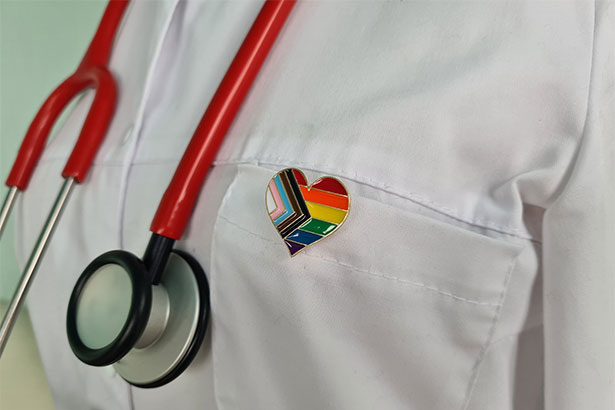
(153, 313)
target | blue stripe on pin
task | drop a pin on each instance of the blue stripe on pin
(285, 200)
(303, 237)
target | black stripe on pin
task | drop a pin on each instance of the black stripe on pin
(288, 173)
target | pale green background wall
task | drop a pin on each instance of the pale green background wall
(41, 42)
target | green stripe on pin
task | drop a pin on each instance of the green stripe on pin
(318, 226)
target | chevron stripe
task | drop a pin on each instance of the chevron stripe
(285, 202)
(291, 210)
(295, 210)
(301, 213)
(279, 205)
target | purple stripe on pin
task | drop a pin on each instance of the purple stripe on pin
(293, 247)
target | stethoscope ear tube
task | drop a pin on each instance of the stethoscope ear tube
(91, 73)
(136, 320)
(180, 197)
(156, 256)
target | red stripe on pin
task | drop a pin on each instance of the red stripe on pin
(299, 177)
(331, 185)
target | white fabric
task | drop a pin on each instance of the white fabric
(475, 270)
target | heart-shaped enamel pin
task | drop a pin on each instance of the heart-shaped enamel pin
(305, 214)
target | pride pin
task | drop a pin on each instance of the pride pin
(305, 214)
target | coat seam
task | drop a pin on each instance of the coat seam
(375, 275)
(483, 351)
(507, 230)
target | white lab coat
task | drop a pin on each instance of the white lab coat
(476, 267)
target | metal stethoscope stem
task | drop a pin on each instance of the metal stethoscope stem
(33, 262)
(7, 207)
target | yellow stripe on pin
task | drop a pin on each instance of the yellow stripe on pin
(326, 213)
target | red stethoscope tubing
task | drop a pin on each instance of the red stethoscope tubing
(180, 197)
(91, 73)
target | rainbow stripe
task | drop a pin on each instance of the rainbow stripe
(304, 214)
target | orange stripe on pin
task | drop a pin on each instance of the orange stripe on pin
(324, 198)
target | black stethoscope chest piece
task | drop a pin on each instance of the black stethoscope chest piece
(149, 332)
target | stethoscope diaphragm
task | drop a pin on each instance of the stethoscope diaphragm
(149, 333)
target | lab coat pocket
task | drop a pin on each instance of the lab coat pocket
(393, 311)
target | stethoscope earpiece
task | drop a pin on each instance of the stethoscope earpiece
(149, 332)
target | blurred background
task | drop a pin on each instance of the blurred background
(41, 43)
